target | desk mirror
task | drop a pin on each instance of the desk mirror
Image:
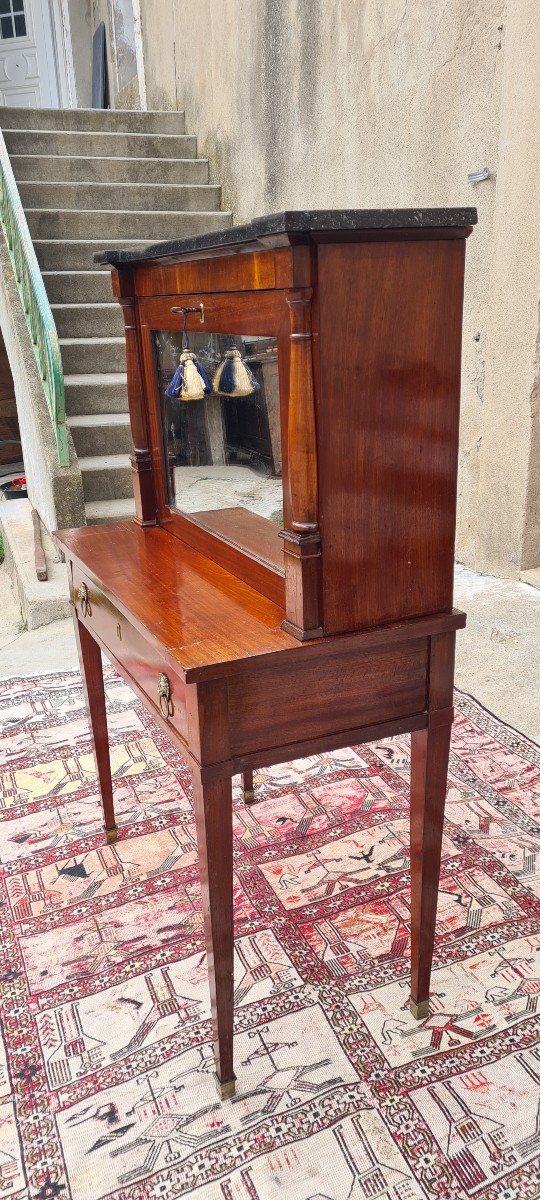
(222, 451)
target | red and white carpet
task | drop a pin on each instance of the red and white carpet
(106, 1082)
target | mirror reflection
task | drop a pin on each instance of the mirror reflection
(221, 426)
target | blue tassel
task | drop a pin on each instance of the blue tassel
(175, 386)
(190, 380)
(226, 381)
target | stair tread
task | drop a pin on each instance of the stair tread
(153, 133)
(97, 420)
(96, 462)
(91, 120)
(137, 212)
(113, 508)
(69, 274)
(94, 341)
(120, 183)
(103, 380)
(128, 158)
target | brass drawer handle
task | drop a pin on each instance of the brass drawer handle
(164, 693)
(86, 607)
(184, 311)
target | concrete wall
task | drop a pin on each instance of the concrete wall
(508, 502)
(122, 68)
(302, 103)
(81, 30)
(54, 491)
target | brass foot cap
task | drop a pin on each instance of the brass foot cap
(111, 835)
(225, 1090)
(419, 1011)
(249, 796)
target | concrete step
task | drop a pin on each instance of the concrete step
(100, 511)
(93, 120)
(105, 224)
(82, 356)
(40, 601)
(94, 393)
(77, 254)
(106, 477)
(83, 287)
(102, 145)
(160, 197)
(88, 320)
(103, 433)
(82, 169)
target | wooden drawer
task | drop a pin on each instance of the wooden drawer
(139, 660)
(258, 271)
(325, 696)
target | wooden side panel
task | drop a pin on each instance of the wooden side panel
(389, 322)
(277, 704)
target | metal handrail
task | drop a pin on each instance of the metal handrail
(34, 300)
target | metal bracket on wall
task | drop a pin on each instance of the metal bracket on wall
(478, 176)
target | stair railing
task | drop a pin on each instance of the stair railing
(34, 300)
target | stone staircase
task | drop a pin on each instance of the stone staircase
(89, 179)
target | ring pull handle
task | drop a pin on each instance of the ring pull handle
(164, 694)
(86, 607)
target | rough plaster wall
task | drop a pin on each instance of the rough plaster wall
(160, 49)
(301, 103)
(530, 557)
(80, 23)
(123, 93)
(509, 487)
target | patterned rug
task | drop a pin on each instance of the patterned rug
(106, 1065)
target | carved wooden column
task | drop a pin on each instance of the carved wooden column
(141, 459)
(302, 544)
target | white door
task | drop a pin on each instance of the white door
(28, 77)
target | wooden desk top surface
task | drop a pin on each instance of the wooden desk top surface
(203, 616)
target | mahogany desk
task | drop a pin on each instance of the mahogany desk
(251, 640)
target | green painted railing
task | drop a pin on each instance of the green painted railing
(34, 300)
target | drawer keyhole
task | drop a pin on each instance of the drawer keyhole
(86, 607)
(119, 632)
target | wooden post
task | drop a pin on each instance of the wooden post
(429, 767)
(302, 544)
(208, 726)
(92, 674)
(141, 459)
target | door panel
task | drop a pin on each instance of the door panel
(28, 76)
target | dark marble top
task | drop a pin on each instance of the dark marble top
(332, 220)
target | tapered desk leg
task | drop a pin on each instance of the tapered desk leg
(213, 818)
(247, 784)
(92, 674)
(429, 766)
